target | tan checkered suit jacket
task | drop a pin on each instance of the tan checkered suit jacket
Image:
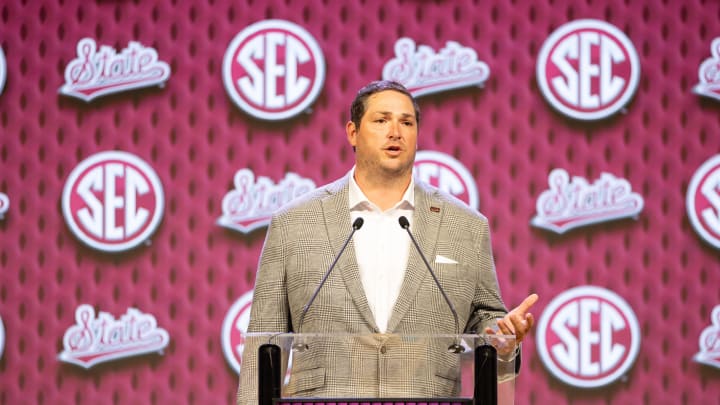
(302, 240)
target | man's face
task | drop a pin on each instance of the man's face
(386, 141)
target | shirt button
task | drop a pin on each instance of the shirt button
(383, 349)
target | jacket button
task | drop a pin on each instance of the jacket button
(383, 349)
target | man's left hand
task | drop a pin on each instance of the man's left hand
(517, 322)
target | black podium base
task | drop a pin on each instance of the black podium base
(374, 401)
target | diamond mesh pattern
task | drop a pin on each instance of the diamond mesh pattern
(196, 139)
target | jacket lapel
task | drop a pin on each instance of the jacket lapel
(339, 226)
(425, 229)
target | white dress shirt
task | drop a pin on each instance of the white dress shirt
(381, 248)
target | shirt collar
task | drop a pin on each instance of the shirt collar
(359, 202)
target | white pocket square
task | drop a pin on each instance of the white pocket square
(444, 260)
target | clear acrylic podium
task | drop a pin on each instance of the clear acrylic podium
(378, 369)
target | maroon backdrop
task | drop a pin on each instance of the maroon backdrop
(195, 138)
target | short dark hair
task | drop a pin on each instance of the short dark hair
(359, 105)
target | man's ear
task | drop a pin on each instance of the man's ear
(351, 132)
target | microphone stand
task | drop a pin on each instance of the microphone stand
(455, 347)
(357, 224)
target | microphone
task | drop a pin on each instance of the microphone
(357, 224)
(455, 347)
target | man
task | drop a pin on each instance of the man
(380, 284)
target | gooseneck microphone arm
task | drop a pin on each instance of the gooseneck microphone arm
(455, 347)
(357, 224)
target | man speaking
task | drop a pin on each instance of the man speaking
(377, 252)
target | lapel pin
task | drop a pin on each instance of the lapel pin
(435, 209)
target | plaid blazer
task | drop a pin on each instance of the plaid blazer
(301, 242)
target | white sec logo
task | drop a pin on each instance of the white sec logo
(3, 70)
(234, 328)
(447, 174)
(113, 201)
(2, 337)
(703, 201)
(588, 337)
(588, 69)
(273, 69)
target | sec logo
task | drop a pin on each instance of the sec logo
(4, 205)
(588, 337)
(273, 70)
(3, 70)
(588, 69)
(113, 201)
(703, 201)
(2, 337)
(447, 174)
(234, 328)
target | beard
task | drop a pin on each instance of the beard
(385, 170)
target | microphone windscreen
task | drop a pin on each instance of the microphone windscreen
(358, 223)
(404, 223)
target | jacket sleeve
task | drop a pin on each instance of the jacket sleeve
(269, 311)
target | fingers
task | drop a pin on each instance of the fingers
(530, 319)
(501, 344)
(517, 322)
(516, 325)
(506, 325)
(528, 302)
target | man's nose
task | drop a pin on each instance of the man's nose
(394, 132)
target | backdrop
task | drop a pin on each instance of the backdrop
(195, 137)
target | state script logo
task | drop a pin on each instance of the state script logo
(588, 337)
(588, 69)
(422, 71)
(709, 73)
(251, 204)
(571, 204)
(97, 340)
(709, 353)
(113, 201)
(273, 69)
(96, 73)
(703, 201)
